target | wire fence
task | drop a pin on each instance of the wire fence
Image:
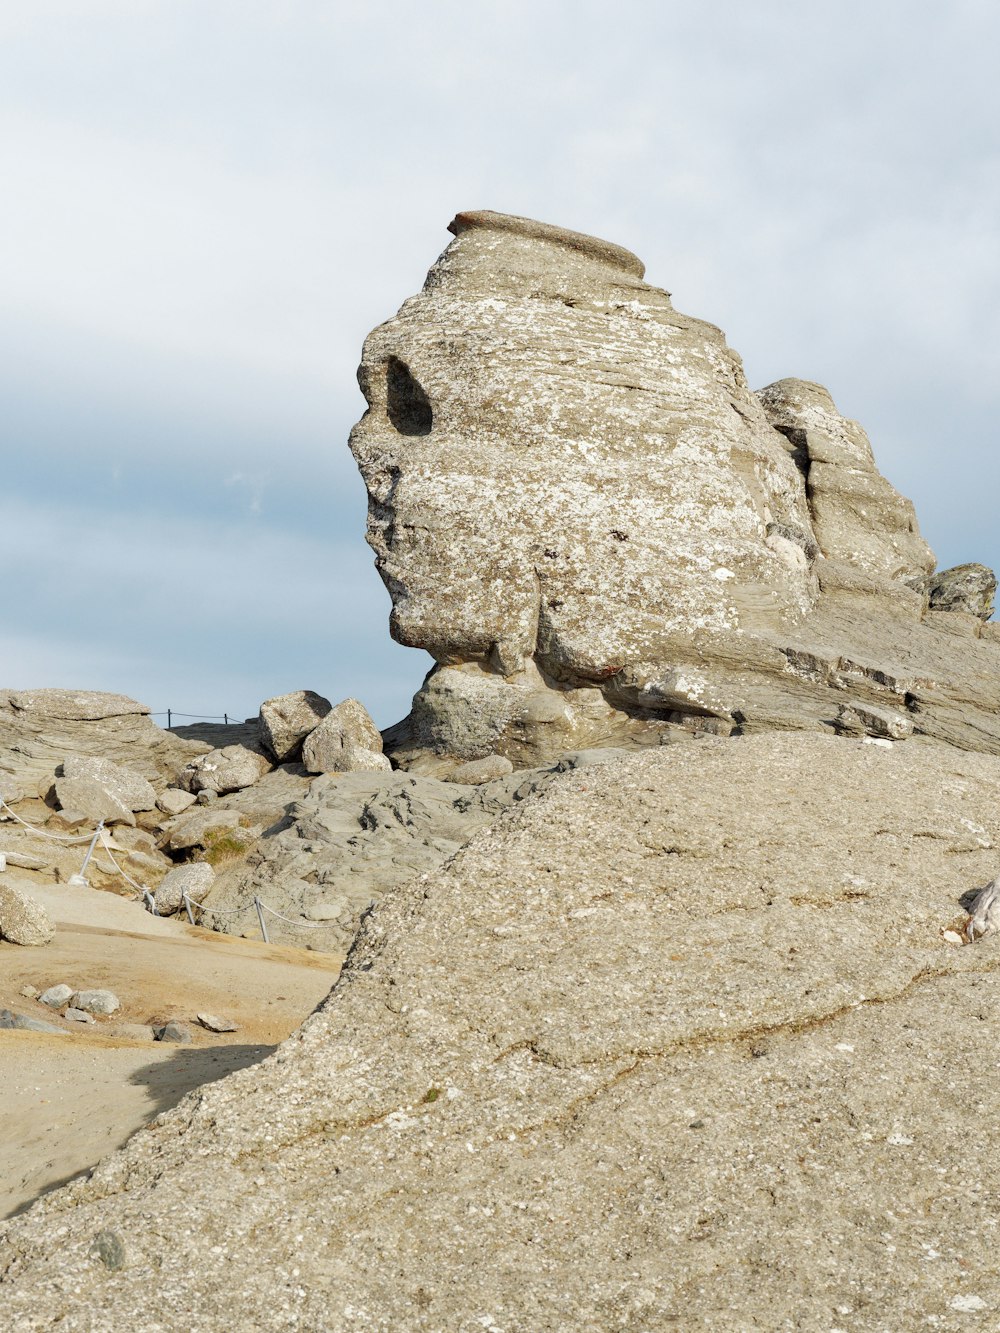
(229, 719)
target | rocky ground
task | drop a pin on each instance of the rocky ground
(687, 1040)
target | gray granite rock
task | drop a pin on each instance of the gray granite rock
(345, 741)
(96, 1001)
(477, 771)
(131, 789)
(22, 919)
(286, 720)
(172, 1032)
(968, 588)
(229, 769)
(195, 880)
(25, 1023)
(76, 1015)
(213, 1023)
(56, 996)
(174, 801)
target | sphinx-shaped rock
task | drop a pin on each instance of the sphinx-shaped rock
(603, 537)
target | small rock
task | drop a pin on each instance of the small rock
(968, 588)
(194, 879)
(23, 1023)
(326, 911)
(174, 801)
(25, 862)
(10, 791)
(220, 771)
(78, 1015)
(96, 1001)
(56, 996)
(22, 920)
(110, 1249)
(477, 771)
(171, 1032)
(29, 992)
(216, 1024)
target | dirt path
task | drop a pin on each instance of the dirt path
(68, 1100)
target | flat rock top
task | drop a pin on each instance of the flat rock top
(73, 705)
(676, 1041)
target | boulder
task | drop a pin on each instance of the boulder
(75, 705)
(22, 919)
(286, 720)
(172, 1032)
(194, 880)
(95, 1001)
(56, 996)
(604, 537)
(102, 789)
(24, 1023)
(206, 828)
(213, 1023)
(683, 1030)
(968, 588)
(345, 741)
(174, 801)
(230, 769)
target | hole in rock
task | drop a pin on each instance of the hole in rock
(408, 406)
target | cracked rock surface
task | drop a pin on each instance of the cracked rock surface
(676, 1041)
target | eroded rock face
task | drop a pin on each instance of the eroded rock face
(603, 537)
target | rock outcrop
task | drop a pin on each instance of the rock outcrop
(603, 537)
(22, 919)
(677, 1042)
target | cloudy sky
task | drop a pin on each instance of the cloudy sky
(206, 204)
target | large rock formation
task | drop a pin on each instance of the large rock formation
(601, 534)
(677, 1042)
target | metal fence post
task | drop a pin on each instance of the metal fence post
(80, 878)
(169, 717)
(260, 917)
(187, 906)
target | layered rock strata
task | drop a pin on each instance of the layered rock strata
(602, 536)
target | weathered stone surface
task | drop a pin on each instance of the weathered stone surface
(195, 880)
(22, 920)
(93, 800)
(213, 1023)
(229, 769)
(286, 720)
(345, 741)
(128, 789)
(96, 1001)
(477, 771)
(56, 996)
(604, 538)
(174, 801)
(11, 790)
(968, 588)
(205, 827)
(76, 1015)
(172, 1032)
(684, 1032)
(74, 705)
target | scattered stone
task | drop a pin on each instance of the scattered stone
(216, 1024)
(96, 1001)
(25, 862)
(175, 1032)
(76, 1015)
(206, 797)
(229, 769)
(477, 771)
(194, 879)
(174, 801)
(111, 1250)
(10, 789)
(286, 720)
(22, 919)
(29, 992)
(21, 1022)
(56, 996)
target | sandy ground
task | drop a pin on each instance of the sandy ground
(66, 1101)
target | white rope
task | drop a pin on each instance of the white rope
(141, 888)
(213, 910)
(303, 925)
(53, 837)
